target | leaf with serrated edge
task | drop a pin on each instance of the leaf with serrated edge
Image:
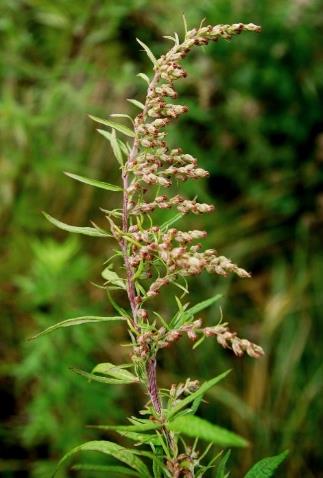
(120, 127)
(108, 448)
(266, 467)
(150, 54)
(198, 428)
(94, 182)
(76, 321)
(99, 378)
(190, 398)
(86, 231)
(115, 371)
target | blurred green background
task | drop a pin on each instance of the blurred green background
(255, 122)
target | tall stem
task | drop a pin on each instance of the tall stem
(152, 387)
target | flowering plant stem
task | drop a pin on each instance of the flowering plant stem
(153, 257)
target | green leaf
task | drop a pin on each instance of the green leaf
(76, 321)
(113, 278)
(198, 428)
(116, 148)
(87, 231)
(220, 471)
(148, 51)
(266, 467)
(120, 127)
(115, 371)
(94, 182)
(144, 77)
(141, 437)
(203, 305)
(121, 115)
(99, 378)
(123, 470)
(108, 136)
(139, 427)
(200, 392)
(171, 221)
(136, 103)
(112, 449)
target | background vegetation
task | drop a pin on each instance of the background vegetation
(255, 123)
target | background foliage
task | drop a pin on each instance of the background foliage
(255, 123)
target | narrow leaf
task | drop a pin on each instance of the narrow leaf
(200, 392)
(108, 136)
(87, 231)
(220, 471)
(115, 371)
(148, 51)
(107, 469)
(136, 103)
(144, 77)
(99, 378)
(198, 428)
(171, 221)
(112, 449)
(76, 321)
(139, 427)
(203, 305)
(141, 437)
(120, 127)
(116, 148)
(113, 278)
(94, 182)
(266, 467)
(121, 115)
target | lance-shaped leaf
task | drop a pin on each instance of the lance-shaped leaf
(76, 321)
(138, 427)
(86, 231)
(150, 54)
(99, 378)
(120, 127)
(113, 278)
(144, 77)
(203, 305)
(136, 103)
(108, 448)
(193, 396)
(220, 471)
(266, 467)
(94, 182)
(108, 136)
(141, 437)
(106, 469)
(180, 319)
(198, 428)
(115, 371)
(116, 148)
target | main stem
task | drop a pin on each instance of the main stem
(152, 387)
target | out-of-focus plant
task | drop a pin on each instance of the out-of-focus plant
(154, 256)
(57, 405)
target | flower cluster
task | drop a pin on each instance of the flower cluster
(154, 163)
(157, 256)
(229, 340)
